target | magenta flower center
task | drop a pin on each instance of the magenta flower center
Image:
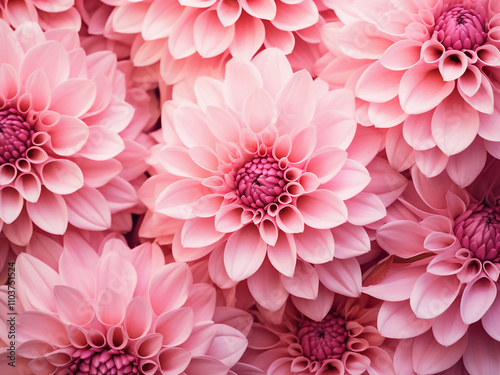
(323, 340)
(15, 136)
(95, 361)
(478, 229)
(459, 28)
(259, 182)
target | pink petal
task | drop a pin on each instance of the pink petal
(291, 17)
(274, 69)
(49, 213)
(249, 35)
(326, 164)
(477, 298)
(428, 357)
(304, 283)
(303, 142)
(138, 317)
(490, 320)
(181, 41)
(240, 81)
(160, 19)
(35, 281)
(432, 295)
(38, 86)
(20, 231)
(283, 255)
(179, 198)
(229, 12)
(315, 245)
(210, 36)
(199, 232)
(265, 286)
(422, 89)
(72, 306)
(73, 97)
(12, 51)
(263, 9)
(315, 309)
(51, 58)
(29, 186)
(341, 276)
(62, 176)
(397, 320)
(386, 115)
(220, 122)
(322, 209)
(407, 246)
(11, 204)
(449, 327)
(173, 361)
(244, 253)
(378, 84)
(417, 131)
(365, 208)
(128, 18)
(177, 161)
(197, 133)
(350, 180)
(102, 144)
(42, 326)
(268, 231)
(480, 356)
(110, 307)
(228, 346)
(175, 326)
(259, 110)
(88, 209)
(229, 218)
(69, 135)
(483, 98)
(464, 167)
(200, 339)
(202, 300)
(206, 365)
(450, 68)
(454, 125)
(350, 241)
(290, 220)
(402, 55)
(169, 287)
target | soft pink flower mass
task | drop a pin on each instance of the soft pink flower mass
(249, 187)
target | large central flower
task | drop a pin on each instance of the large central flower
(461, 28)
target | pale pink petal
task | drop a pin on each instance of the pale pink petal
(69, 135)
(265, 286)
(175, 326)
(341, 276)
(36, 324)
(397, 320)
(249, 35)
(464, 167)
(304, 283)
(483, 98)
(20, 231)
(210, 36)
(388, 237)
(454, 125)
(229, 12)
(477, 298)
(49, 213)
(38, 86)
(422, 89)
(290, 220)
(263, 9)
(178, 199)
(169, 287)
(160, 19)
(364, 208)
(283, 255)
(73, 97)
(417, 131)
(401, 55)
(449, 327)
(173, 361)
(110, 307)
(378, 84)
(228, 346)
(326, 163)
(88, 209)
(432, 295)
(480, 356)
(181, 41)
(12, 51)
(274, 69)
(197, 133)
(128, 18)
(102, 143)
(259, 110)
(452, 64)
(315, 245)
(202, 300)
(350, 180)
(72, 306)
(62, 176)
(350, 241)
(200, 339)
(322, 209)
(244, 253)
(291, 17)
(229, 218)
(428, 357)
(11, 204)
(206, 365)
(199, 232)
(386, 115)
(29, 186)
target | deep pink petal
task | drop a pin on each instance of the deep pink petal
(265, 286)
(341, 276)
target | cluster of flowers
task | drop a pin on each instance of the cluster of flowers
(245, 187)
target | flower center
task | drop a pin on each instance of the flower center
(460, 29)
(478, 230)
(323, 340)
(259, 182)
(104, 361)
(15, 136)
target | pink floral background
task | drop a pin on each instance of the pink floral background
(249, 187)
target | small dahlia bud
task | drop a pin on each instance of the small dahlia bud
(459, 28)
(15, 136)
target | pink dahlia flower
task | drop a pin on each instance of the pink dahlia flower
(328, 336)
(48, 14)
(256, 174)
(432, 67)
(114, 310)
(182, 33)
(61, 115)
(442, 273)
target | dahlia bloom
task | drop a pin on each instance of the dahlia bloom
(432, 67)
(61, 115)
(331, 335)
(256, 174)
(442, 273)
(113, 310)
(192, 35)
(48, 14)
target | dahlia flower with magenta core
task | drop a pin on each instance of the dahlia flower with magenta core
(116, 310)
(431, 70)
(256, 174)
(440, 282)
